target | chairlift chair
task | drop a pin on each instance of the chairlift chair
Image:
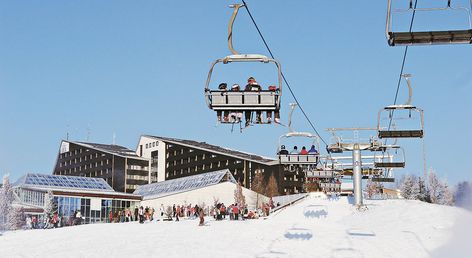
(243, 101)
(387, 160)
(335, 146)
(383, 179)
(299, 159)
(387, 131)
(428, 37)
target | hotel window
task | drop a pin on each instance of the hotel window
(181, 161)
(181, 151)
(188, 160)
(80, 150)
(101, 163)
(96, 164)
(153, 144)
(203, 167)
(91, 156)
(196, 158)
(147, 145)
(108, 161)
(219, 163)
(70, 162)
(203, 156)
(85, 158)
(196, 168)
(96, 155)
(175, 152)
(75, 152)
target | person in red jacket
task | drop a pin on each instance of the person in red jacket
(235, 212)
(303, 151)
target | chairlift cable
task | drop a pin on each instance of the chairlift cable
(283, 76)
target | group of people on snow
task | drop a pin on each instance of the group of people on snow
(53, 220)
(235, 116)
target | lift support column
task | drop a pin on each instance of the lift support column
(357, 170)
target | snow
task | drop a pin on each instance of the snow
(313, 227)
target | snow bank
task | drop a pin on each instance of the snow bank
(314, 227)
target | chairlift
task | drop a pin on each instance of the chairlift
(335, 146)
(428, 37)
(388, 160)
(387, 131)
(287, 158)
(381, 179)
(243, 101)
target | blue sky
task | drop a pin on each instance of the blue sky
(138, 67)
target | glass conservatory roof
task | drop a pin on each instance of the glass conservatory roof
(184, 184)
(58, 181)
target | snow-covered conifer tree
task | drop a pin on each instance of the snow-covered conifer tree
(371, 188)
(409, 187)
(6, 200)
(48, 204)
(435, 187)
(14, 219)
(423, 190)
(448, 196)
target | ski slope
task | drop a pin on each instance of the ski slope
(314, 227)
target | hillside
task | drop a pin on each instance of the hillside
(314, 227)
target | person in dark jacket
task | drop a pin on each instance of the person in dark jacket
(222, 87)
(283, 151)
(252, 85)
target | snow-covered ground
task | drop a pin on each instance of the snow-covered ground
(314, 227)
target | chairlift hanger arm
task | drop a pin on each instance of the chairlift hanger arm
(230, 27)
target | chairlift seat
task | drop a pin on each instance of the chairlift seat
(389, 164)
(289, 159)
(334, 148)
(243, 100)
(320, 174)
(383, 179)
(400, 134)
(430, 37)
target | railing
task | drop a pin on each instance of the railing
(286, 200)
(298, 158)
(320, 174)
(239, 100)
(330, 187)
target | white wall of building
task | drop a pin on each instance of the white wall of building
(223, 191)
(153, 145)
